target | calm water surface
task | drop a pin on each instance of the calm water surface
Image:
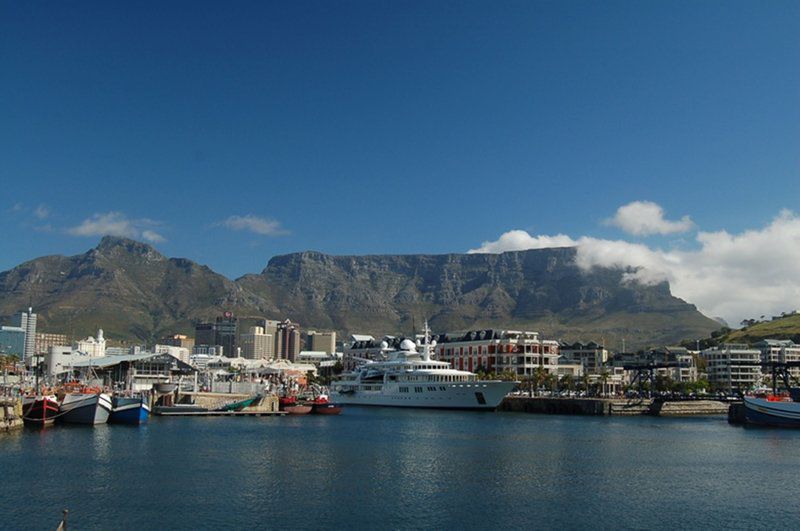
(374, 468)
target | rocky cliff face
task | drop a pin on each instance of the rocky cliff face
(131, 290)
(540, 289)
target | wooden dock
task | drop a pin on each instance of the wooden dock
(244, 413)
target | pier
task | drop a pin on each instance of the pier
(613, 406)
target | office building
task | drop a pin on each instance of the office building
(27, 321)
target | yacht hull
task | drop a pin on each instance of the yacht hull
(468, 395)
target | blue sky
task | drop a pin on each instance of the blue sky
(390, 127)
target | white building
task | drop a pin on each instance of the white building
(733, 366)
(181, 353)
(590, 355)
(93, 347)
(780, 351)
(27, 321)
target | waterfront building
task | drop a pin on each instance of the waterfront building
(27, 321)
(93, 347)
(45, 340)
(685, 369)
(365, 347)
(12, 341)
(592, 356)
(321, 341)
(59, 359)
(207, 350)
(780, 351)
(520, 352)
(133, 371)
(733, 367)
(256, 344)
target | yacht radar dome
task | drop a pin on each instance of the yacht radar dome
(408, 345)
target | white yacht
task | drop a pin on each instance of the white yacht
(408, 378)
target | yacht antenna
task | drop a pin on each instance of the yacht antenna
(426, 349)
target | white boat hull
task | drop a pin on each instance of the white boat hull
(463, 395)
(80, 408)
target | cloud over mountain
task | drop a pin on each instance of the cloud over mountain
(643, 218)
(117, 224)
(730, 275)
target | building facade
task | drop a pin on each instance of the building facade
(256, 345)
(44, 341)
(288, 341)
(592, 356)
(520, 352)
(12, 341)
(91, 346)
(780, 351)
(27, 321)
(733, 367)
(321, 341)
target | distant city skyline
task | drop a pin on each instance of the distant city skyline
(656, 135)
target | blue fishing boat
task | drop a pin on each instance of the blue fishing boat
(129, 410)
(772, 412)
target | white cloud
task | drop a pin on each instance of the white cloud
(517, 240)
(41, 212)
(643, 218)
(734, 276)
(251, 223)
(117, 224)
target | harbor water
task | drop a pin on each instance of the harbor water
(374, 468)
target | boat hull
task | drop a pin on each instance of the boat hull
(768, 413)
(479, 395)
(297, 409)
(129, 411)
(39, 411)
(328, 408)
(85, 408)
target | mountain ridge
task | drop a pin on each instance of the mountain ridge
(135, 292)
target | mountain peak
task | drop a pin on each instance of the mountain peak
(111, 245)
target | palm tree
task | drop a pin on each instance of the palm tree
(604, 378)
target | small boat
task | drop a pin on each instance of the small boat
(39, 410)
(129, 410)
(320, 405)
(241, 404)
(290, 405)
(164, 388)
(87, 406)
(772, 411)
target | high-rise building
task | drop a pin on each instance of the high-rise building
(321, 341)
(27, 321)
(221, 333)
(288, 341)
(256, 345)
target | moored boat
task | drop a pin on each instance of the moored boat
(321, 405)
(129, 410)
(88, 406)
(409, 378)
(290, 405)
(772, 412)
(39, 410)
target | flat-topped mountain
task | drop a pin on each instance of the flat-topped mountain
(133, 291)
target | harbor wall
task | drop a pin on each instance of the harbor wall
(606, 406)
(10, 413)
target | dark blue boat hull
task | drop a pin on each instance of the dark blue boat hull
(129, 411)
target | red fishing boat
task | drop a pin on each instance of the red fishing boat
(320, 405)
(39, 410)
(290, 405)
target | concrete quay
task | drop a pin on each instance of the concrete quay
(10, 414)
(612, 406)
